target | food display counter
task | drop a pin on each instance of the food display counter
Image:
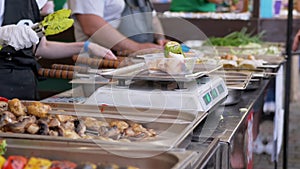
(210, 150)
(145, 113)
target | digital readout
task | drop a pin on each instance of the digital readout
(220, 89)
(207, 98)
(214, 93)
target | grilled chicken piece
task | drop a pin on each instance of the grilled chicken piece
(71, 134)
(64, 118)
(113, 133)
(33, 128)
(121, 125)
(129, 132)
(54, 122)
(3, 106)
(44, 128)
(138, 128)
(68, 125)
(16, 107)
(18, 127)
(91, 123)
(32, 119)
(53, 133)
(7, 117)
(80, 127)
(38, 109)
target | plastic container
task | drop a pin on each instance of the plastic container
(266, 8)
(277, 7)
(157, 64)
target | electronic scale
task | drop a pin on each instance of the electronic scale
(136, 87)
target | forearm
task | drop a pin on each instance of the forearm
(56, 50)
(103, 33)
(109, 37)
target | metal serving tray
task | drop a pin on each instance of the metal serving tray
(140, 72)
(96, 155)
(234, 79)
(171, 127)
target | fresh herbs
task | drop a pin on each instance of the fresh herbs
(235, 39)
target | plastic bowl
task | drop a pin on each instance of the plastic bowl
(173, 66)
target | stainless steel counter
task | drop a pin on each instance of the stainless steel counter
(213, 137)
(224, 123)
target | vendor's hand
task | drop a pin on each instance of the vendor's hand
(162, 42)
(296, 41)
(97, 50)
(148, 46)
(18, 36)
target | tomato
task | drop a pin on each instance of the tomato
(3, 99)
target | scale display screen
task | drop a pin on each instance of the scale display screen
(207, 98)
(220, 88)
(214, 93)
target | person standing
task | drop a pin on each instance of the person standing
(140, 22)
(99, 19)
(21, 46)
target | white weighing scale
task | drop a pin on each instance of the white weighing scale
(138, 88)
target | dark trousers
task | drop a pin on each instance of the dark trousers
(18, 83)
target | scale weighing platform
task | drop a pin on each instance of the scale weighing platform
(144, 90)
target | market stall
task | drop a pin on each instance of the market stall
(180, 107)
(210, 135)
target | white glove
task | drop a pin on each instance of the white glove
(18, 36)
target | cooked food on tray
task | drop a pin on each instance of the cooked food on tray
(173, 61)
(37, 119)
(249, 62)
(21, 162)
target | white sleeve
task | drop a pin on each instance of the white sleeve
(87, 7)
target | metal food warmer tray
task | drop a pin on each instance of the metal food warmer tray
(171, 126)
(148, 159)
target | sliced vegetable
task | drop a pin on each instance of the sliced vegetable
(173, 47)
(15, 162)
(63, 165)
(2, 161)
(3, 147)
(57, 22)
(38, 163)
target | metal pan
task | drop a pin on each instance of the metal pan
(97, 155)
(234, 97)
(235, 80)
(171, 126)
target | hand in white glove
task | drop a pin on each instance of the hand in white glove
(18, 36)
(97, 50)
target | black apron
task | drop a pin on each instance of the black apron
(137, 21)
(18, 68)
